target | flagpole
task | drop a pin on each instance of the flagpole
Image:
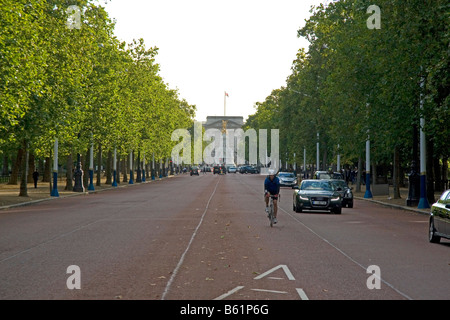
(225, 104)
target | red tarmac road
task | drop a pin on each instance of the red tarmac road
(207, 237)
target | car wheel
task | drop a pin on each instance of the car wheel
(337, 211)
(350, 205)
(298, 209)
(431, 234)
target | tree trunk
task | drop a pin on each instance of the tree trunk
(69, 174)
(31, 167)
(99, 166)
(429, 168)
(16, 168)
(5, 170)
(118, 169)
(124, 169)
(358, 176)
(445, 172)
(24, 175)
(47, 171)
(86, 165)
(374, 173)
(438, 185)
(396, 174)
(108, 168)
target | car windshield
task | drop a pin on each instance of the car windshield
(324, 176)
(286, 175)
(339, 184)
(316, 185)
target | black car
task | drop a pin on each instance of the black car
(322, 175)
(219, 169)
(248, 169)
(440, 219)
(195, 171)
(317, 195)
(345, 192)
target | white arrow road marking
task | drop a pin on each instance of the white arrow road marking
(302, 294)
(229, 293)
(283, 266)
(272, 291)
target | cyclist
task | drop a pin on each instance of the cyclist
(272, 188)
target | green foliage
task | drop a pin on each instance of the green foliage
(354, 81)
(81, 85)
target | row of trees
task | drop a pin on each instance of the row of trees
(75, 81)
(355, 81)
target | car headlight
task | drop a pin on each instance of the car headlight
(303, 198)
(335, 198)
(295, 181)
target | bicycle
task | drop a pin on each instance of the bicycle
(271, 210)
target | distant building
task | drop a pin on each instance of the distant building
(223, 123)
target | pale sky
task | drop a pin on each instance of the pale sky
(207, 47)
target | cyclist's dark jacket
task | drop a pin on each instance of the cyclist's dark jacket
(273, 187)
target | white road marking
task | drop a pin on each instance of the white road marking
(271, 291)
(283, 266)
(229, 293)
(302, 294)
(175, 271)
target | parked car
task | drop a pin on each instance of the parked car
(287, 179)
(195, 170)
(322, 175)
(338, 176)
(345, 192)
(248, 169)
(219, 169)
(232, 169)
(317, 195)
(440, 219)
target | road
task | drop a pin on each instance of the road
(206, 237)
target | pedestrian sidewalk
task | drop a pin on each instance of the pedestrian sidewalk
(389, 200)
(9, 194)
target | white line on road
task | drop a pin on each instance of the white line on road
(284, 267)
(302, 294)
(229, 293)
(271, 291)
(175, 271)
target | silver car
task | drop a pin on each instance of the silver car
(287, 179)
(440, 219)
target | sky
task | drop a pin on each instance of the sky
(209, 47)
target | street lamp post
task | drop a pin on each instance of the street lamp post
(317, 156)
(91, 168)
(114, 184)
(78, 175)
(55, 192)
(153, 166)
(304, 162)
(423, 201)
(143, 168)
(338, 160)
(368, 194)
(131, 168)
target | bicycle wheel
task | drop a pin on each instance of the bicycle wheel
(271, 213)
